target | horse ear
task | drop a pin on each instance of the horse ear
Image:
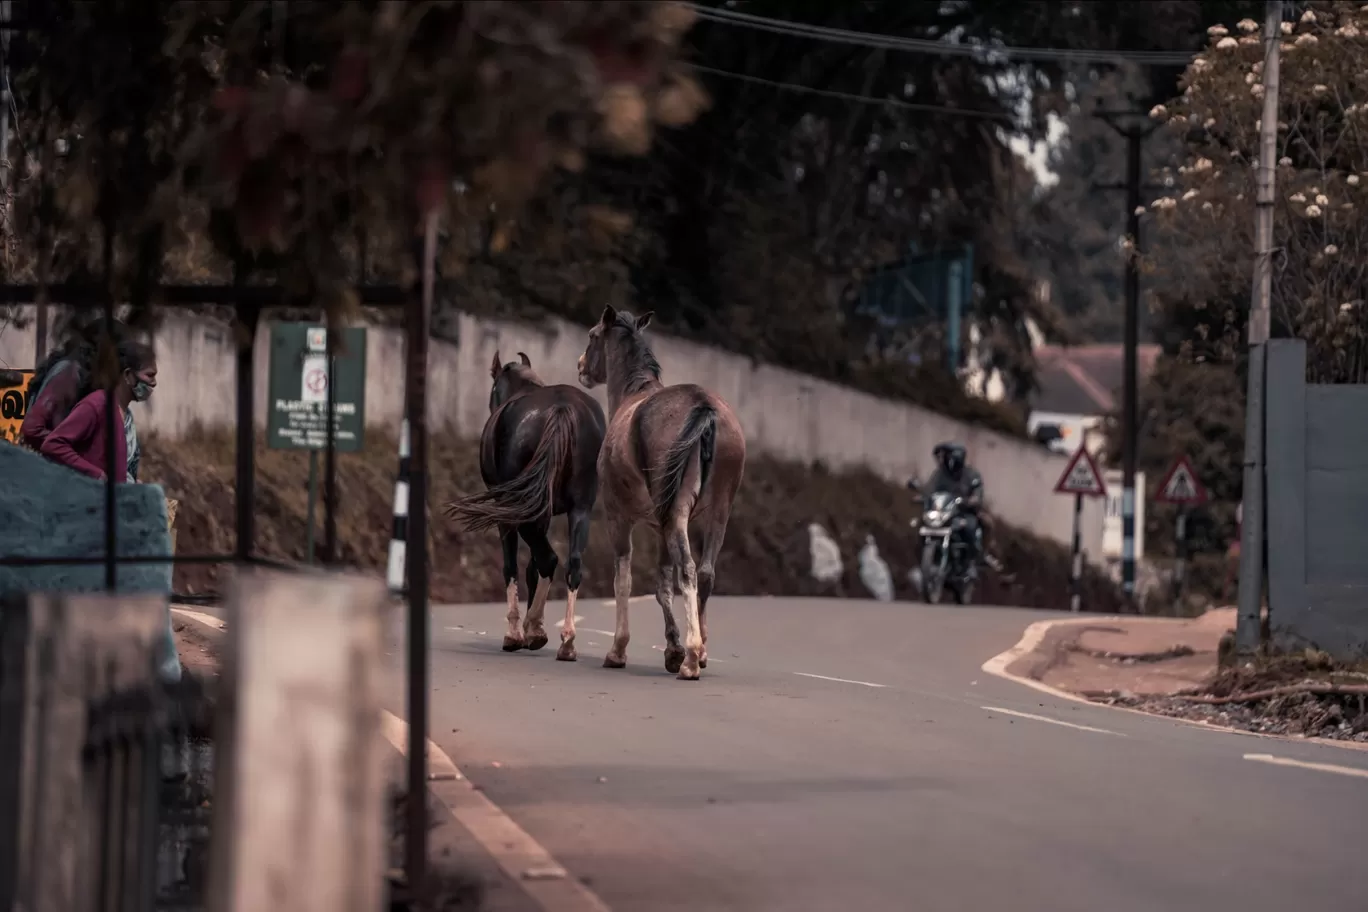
(644, 320)
(609, 316)
(526, 361)
(496, 367)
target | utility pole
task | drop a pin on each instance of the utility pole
(1247, 620)
(1130, 380)
(1130, 125)
(418, 329)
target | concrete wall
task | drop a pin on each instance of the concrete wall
(52, 511)
(1317, 487)
(784, 413)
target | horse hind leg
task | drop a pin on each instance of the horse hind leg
(682, 557)
(620, 532)
(665, 585)
(714, 530)
(541, 569)
(578, 521)
(508, 536)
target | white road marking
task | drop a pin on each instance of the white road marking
(804, 674)
(607, 633)
(662, 649)
(1358, 772)
(525, 860)
(1033, 717)
(634, 600)
(207, 620)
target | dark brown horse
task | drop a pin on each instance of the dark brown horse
(673, 454)
(539, 459)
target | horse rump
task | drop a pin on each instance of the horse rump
(531, 494)
(700, 430)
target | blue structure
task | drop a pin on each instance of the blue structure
(50, 511)
(923, 288)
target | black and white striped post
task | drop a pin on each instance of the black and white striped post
(1076, 567)
(398, 546)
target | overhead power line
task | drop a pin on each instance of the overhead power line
(932, 46)
(849, 96)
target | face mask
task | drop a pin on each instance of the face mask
(142, 390)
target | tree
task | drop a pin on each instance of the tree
(302, 139)
(1204, 257)
(298, 147)
(1200, 261)
(1076, 228)
(758, 223)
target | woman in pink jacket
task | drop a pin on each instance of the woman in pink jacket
(80, 441)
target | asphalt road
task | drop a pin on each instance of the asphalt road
(842, 755)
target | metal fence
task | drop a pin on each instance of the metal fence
(147, 765)
(124, 726)
(153, 833)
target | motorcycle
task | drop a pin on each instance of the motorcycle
(947, 559)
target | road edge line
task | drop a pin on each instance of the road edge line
(526, 862)
(1036, 717)
(1035, 633)
(551, 885)
(1291, 763)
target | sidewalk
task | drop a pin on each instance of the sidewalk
(1169, 667)
(1131, 656)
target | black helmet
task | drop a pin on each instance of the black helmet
(950, 456)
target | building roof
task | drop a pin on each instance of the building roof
(1085, 379)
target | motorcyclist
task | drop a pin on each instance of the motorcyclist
(955, 476)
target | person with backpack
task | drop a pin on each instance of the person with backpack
(79, 441)
(59, 382)
(80, 438)
(64, 379)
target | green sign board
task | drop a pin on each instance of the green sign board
(298, 386)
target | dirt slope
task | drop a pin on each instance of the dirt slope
(766, 550)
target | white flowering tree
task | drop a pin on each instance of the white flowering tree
(1202, 247)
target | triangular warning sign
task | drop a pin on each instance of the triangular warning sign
(1180, 485)
(1081, 476)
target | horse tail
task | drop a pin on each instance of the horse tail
(700, 430)
(532, 494)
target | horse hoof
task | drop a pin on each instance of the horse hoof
(536, 642)
(614, 662)
(687, 674)
(674, 658)
(512, 645)
(702, 663)
(566, 655)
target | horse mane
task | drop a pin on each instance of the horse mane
(513, 380)
(524, 376)
(641, 365)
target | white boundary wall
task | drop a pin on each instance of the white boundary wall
(784, 413)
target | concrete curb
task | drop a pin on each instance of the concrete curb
(525, 861)
(1001, 665)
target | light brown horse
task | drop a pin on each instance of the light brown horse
(672, 454)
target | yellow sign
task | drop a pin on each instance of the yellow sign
(14, 403)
